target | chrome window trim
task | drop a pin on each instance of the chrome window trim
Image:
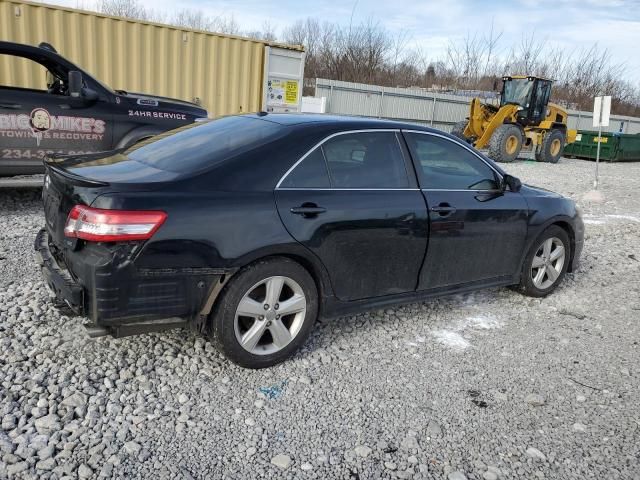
(466, 147)
(317, 145)
(460, 190)
(355, 189)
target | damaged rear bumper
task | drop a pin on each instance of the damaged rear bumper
(102, 283)
(59, 282)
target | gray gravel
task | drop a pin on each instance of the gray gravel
(490, 385)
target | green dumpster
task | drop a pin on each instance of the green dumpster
(614, 147)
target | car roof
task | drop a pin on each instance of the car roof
(346, 121)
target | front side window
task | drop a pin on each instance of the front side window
(444, 165)
(365, 160)
(21, 72)
(517, 91)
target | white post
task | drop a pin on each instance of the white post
(595, 183)
(601, 114)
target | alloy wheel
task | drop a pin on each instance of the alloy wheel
(547, 263)
(270, 315)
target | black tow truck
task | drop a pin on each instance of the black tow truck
(74, 113)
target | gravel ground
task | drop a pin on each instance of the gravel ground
(490, 385)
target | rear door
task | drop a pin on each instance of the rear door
(477, 231)
(354, 203)
(38, 118)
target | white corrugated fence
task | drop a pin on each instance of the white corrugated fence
(440, 110)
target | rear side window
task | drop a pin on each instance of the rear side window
(365, 160)
(199, 146)
(310, 173)
(444, 165)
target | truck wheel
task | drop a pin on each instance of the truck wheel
(265, 313)
(505, 143)
(552, 146)
(458, 130)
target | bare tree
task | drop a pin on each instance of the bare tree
(198, 20)
(128, 9)
(267, 32)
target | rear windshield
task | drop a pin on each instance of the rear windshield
(201, 145)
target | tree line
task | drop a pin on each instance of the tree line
(369, 53)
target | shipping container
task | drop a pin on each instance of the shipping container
(224, 73)
(614, 147)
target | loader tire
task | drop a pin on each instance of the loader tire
(552, 146)
(505, 143)
(458, 130)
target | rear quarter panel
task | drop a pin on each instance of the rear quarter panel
(213, 230)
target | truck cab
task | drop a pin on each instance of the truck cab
(51, 106)
(531, 94)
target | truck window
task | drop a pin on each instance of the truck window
(198, 146)
(23, 73)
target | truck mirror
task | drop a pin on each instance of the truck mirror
(75, 84)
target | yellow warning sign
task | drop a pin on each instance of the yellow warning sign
(291, 92)
(600, 139)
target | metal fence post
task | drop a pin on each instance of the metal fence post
(433, 110)
(381, 102)
(328, 106)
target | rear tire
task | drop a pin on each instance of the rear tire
(546, 263)
(277, 334)
(552, 146)
(458, 130)
(505, 143)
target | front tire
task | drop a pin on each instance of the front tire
(265, 313)
(546, 263)
(505, 143)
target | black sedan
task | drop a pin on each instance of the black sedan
(247, 228)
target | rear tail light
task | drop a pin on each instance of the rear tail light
(99, 225)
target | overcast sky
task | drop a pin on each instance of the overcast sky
(572, 25)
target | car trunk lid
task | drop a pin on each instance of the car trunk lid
(79, 180)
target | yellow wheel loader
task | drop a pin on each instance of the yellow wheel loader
(524, 118)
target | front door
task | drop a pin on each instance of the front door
(477, 231)
(38, 118)
(353, 202)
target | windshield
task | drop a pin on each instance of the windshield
(518, 91)
(201, 145)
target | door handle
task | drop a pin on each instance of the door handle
(308, 210)
(10, 106)
(444, 209)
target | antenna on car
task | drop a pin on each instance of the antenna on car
(47, 46)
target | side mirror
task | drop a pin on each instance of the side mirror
(74, 86)
(513, 183)
(79, 95)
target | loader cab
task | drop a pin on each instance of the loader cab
(530, 93)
